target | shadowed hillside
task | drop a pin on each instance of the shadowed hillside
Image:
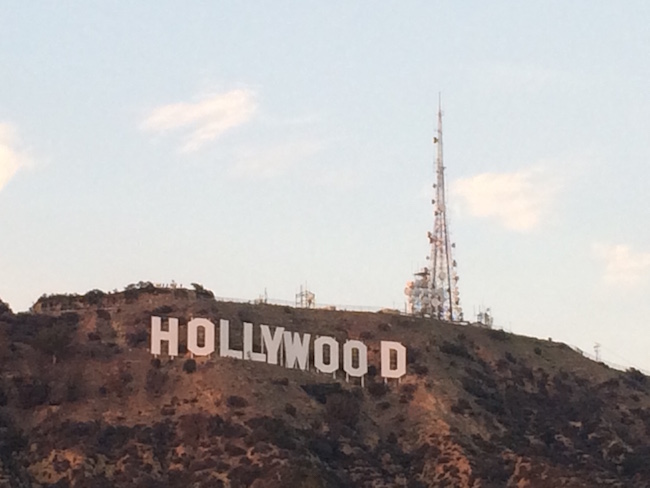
(84, 404)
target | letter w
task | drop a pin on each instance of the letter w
(296, 350)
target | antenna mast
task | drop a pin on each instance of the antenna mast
(434, 292)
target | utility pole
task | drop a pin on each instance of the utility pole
(597, 351)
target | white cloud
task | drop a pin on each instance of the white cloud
(519, 200)
(623, 265)
(273, 161)
(12, 157)
(204, 120)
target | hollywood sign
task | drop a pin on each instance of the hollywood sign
(280, 347)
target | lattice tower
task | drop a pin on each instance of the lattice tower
(434, 291)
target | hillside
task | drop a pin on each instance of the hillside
(84, 404)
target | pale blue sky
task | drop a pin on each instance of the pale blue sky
(252, 145)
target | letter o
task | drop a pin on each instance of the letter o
(193, 337)
(319, 362)
(362, 368)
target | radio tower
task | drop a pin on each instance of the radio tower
(434, 291)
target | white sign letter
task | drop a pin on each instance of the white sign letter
(170, 335)
(362, 366)
(193, 337)
(387, 371)
(296, 350)
(319, 349)
(271, 342)
(248, 345)
(224, 342)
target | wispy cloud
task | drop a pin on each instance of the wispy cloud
(272, 161)
(12, 156)
(623, 265)
(519, 200)
(204, 120)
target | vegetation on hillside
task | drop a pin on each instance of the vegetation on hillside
(83, 404)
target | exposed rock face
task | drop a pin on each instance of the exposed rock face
(82, 404)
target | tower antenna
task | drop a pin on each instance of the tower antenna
(434, 291)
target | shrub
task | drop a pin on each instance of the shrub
(74, 386)
(538, 351)
(103, 314)
(498, 334)
(453, 349)
(4, 308)
(55, 340)
(412, 354)
(474, 387)
(636, 463)
(377, 389)
(461, 406)
(420, 369)
(131, 295)
(94, 297)
(636, 376)
(33, 393)
(324, 449)
(407, 391)
(201, 291)
(290, 409)
(193, 427)
(119, 380)
(272, 430)
(163, 310)
(321, 391)
(155, 382)
(12, 441)
(134, 339)
(235, 401)
(343, 408)
(189, 366)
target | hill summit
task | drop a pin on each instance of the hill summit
(83, 403)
